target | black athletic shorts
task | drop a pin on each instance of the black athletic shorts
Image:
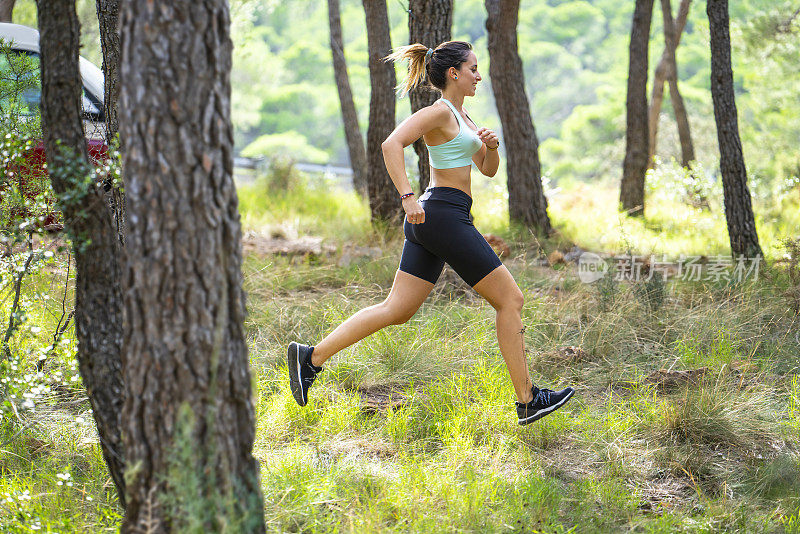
(447, 235)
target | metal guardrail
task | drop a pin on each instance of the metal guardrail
(246, 170)
(326, 169)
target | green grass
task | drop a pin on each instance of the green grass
(623, 455)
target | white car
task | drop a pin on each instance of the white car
(25, 40)
(26, 175)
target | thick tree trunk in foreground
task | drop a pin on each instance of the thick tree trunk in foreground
(6, 9)
(188, 416)
(738, 208)
(429, 23)
(384, 200)
(526, 201)
(352, 131)
(660, 77)
(108, 17)
(636, 133)
(98, 299)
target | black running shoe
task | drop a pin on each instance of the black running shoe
(302, 372)
(544, 402)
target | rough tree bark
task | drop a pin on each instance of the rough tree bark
(384, 201)
(188, 418)
(352, 131)
(526, 201)
(6, 9)
(738, 207)
(108, 18)
(429, 23)
(636, 133)
(98, 298)
(667, 70)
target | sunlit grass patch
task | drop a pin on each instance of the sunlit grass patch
(306, 208)
(588, 216)
(308, 491)
(54, 478)
(719, 414)
(603, 503)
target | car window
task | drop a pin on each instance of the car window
(19, 83)
(20, 86)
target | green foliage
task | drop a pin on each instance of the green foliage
(575, 59)
(53, 472)
(769, 45)
(284, 146)
(51, 466)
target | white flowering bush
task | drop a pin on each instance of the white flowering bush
(52, 472)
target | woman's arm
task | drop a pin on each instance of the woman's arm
(487, 159)
(407, 132)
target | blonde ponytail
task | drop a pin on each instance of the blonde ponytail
(416, 54)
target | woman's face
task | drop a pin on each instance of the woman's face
(468, 75)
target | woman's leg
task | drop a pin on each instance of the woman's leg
(407, 295)
(499, 288)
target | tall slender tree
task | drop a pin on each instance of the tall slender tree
(98, 299)
(667, 71)
(352, 131)
(636, 133)
(108, 18)
(6, 10)
(384, 202)
(429, 23)
(526, 201)
(188, 417)
(738, 206)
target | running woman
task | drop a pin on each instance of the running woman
(438, 229)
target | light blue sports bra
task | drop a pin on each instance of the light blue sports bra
(458, 151)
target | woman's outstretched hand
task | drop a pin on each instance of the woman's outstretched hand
(488, 137)
(414, 212)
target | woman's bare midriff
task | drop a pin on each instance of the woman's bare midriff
(458, 178)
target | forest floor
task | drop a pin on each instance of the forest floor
(686, 416)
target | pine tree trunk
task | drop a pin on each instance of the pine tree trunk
(660, 77)
(384, 200)
(352, 131)
(429, 23)
(671, 44)
(188, 418)
(98, 298)
(527, 204)
(636, 134)
(108, 18)
(6, 10)
(738, 207)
